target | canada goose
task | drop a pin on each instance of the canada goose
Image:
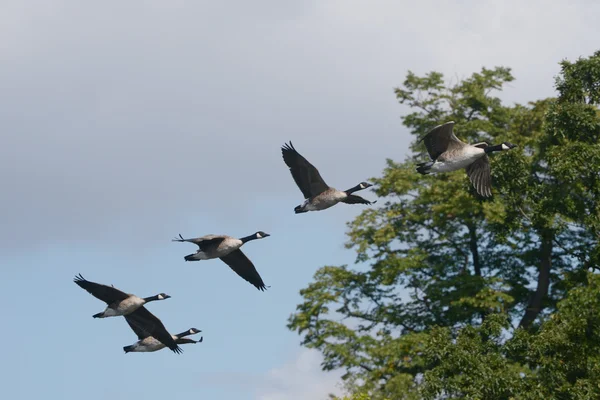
(227, 248)
(146, 324)
(148, 343)
(119, 303)
(448, 153)
(317, 194)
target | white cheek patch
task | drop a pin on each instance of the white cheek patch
(505, 147)
(160, 297)
(258, 235)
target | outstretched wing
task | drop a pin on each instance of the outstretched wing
(149, 325)
(305, 174)
(107, 294)
(354, 199)
(205, 243)
(242, 266)
(480, 175)
(441, 139)
(137, 326)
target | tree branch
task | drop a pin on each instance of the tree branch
(535, 303)
(474, 249)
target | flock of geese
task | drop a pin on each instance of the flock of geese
(447, 154)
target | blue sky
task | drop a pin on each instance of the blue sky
(117, 116)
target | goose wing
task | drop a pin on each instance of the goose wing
(305, 174)
(187, 341)
(441, 139)
(242, 266)
(137, 327)
(354, 199)
(205, 243)
(147, 324)
(107, 294)
(480, 175)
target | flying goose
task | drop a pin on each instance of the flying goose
(227, 248)
(448, 153)
(317, 194)
(147, 343)
(119, 303)
(145, 325)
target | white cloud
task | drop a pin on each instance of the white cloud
(118, 113)
(300, 379)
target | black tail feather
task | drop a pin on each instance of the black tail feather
(423, 168)
(299, 210)
(190, 257)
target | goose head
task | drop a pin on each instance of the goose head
(261, 235)
(507, 146)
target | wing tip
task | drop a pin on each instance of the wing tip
(288, 147)
(262, 287)
(79, 279)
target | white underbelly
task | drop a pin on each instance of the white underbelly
(147, 345)
(455, 164)
(200, 255)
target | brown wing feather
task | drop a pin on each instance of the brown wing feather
(107, 294)
(305, 174)
(242, 266)
(441, 139)
(137, 326)
(480, 175)
(150, 325)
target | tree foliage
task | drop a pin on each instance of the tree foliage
(444, 277)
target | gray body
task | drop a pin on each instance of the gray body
(215, 248)
(448, 153)
(227, 249)
(324, 200)
(123, 307)
(317, 194)
(118, 303)
(149, 344)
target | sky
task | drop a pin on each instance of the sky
(123, 124)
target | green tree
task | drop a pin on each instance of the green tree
(435, 254)
(559, 361)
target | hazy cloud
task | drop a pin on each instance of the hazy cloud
(141, 113)
(300, 379)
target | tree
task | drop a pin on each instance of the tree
(561, 360)
(437, 255)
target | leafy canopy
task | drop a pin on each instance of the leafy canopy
(444, 277)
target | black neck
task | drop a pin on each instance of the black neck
(353, 189)
(248, 238)
(152, 298)
(490, 149)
